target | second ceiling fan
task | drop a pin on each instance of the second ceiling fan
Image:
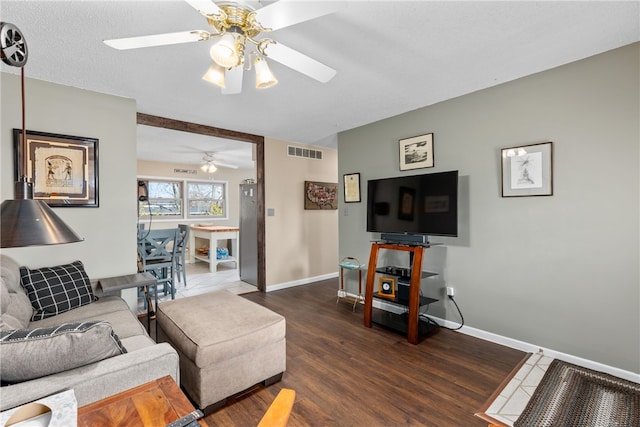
(238, 24)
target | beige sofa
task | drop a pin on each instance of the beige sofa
(143, 361)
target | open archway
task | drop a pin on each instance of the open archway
(163, 122)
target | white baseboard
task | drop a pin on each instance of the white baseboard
(521, 345)
(305, 281)
(533, 348)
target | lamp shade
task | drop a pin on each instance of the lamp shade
(264, 76)
(224, 52)
(27, 222)
(215, 75)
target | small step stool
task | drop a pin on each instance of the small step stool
(350, 263)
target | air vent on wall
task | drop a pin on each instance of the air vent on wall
(304, 152)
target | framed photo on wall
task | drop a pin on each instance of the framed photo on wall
(63, 169)
(527, 170)
(416, 152)
(351, 187)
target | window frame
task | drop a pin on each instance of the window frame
(225, 194)
(184, 183)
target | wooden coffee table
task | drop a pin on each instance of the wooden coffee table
(155, 404)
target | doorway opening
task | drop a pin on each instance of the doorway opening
(166, 123)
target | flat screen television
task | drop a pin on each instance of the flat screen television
(417, 204)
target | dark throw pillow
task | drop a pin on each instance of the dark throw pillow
(54, 290)
(29, 354)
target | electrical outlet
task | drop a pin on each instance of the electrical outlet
(450, 291)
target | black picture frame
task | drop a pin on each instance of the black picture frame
(351, 187)
(527, 170)
(62, 168)
(416, 152)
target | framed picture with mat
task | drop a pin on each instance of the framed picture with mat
(387, 287)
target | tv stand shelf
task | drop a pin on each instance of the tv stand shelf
(400, 322)
(409, 322)
(404, 302)
(403, 277)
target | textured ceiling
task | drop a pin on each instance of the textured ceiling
(391, 57)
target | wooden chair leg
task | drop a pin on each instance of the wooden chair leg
(278, 413)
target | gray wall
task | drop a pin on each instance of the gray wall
(109, 248)
(559, 272)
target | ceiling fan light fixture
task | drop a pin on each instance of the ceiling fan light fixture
(215, 75)
(209, 168)
(225, 52)
(264, 76)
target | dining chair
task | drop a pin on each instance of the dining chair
(180, 258)
(157, 252)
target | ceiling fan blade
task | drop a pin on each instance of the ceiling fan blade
(285, 13)
(158, 40)
(233, 81)
(205, 7)
(299, 62)
(224, 165)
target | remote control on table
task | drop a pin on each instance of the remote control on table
(187, 419)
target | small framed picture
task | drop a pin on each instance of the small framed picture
(351, 187)
(416, 152)
(387, 287)
(527, 170)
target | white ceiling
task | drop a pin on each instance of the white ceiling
(391, 57)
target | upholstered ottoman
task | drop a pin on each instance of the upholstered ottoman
(226, 344)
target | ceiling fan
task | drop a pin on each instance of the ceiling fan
(210, 164)
(238, 24)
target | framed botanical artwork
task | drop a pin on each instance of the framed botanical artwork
(351, 187)
(527, 170)
(416, 152)
(387, 287)
(63, 169)
(320, 195)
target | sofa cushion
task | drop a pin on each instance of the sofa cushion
(15, 307)
(54, 290)
(112, 309)
(29, 354)
(8, 322)
(10, 272)
(4, 296)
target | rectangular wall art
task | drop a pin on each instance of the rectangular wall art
(63, 169)
(320, 195)
(416, 152)
(527, 170)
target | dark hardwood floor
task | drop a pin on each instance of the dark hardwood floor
(347, 375)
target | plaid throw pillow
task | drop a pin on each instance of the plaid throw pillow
(29, 354)
(54, 290)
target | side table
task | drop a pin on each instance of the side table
(154, 404)
(138, 280)
(350, 263)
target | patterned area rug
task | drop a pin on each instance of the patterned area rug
(570, 395)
